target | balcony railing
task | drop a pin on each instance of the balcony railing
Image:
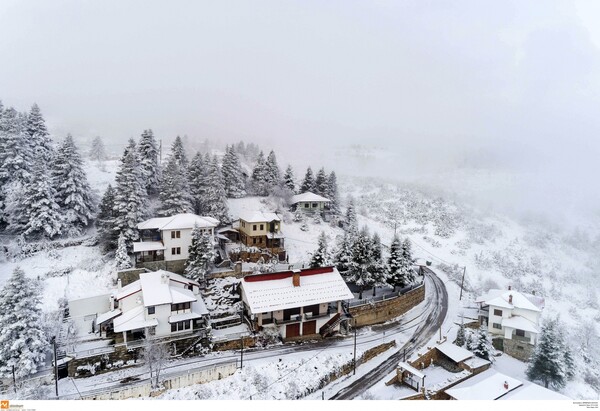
(149, 258)
(520, 338)
(293, 319)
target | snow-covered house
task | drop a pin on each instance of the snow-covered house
(160, 304)
(299, 303)
(165, 240)
(310, 202)
(512, 319)
(261, 230)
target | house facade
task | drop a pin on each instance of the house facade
(262, 230)
(160, 304)
(512, 319)
(299, 304)
(310, 203)
(165, 240)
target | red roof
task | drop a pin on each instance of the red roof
(286, 274)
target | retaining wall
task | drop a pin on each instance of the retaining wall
(382, 311)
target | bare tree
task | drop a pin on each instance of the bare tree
(155, 355)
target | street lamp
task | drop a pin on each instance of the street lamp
(53, 340)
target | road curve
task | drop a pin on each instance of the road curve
(422, 335)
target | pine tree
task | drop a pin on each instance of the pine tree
(395, 265)
(233, 176)
(377, 267)
(407, 261)
(175, 197)
(105, 220)
(98, 151)
(361, 261)
(460, 335)
(15, 151)
(551, 361)
(320, 257)
(343, 256)
(215, 199)
(272, 173)
(202, 255)
(321, 185)
(351, 221)
(39, 138)
(332, 194)
(308, 184)
(73, 195)
(178, 152)
(260, 179)
(288, 179)
(148, 153)
(22, 340)
(197, 174)
(130, 195)
(121, 257)
(481, 345)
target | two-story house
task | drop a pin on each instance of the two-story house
(160, 304)
(299, 303)
(512, 319)
(310, 203)
(165, 240)
(261, 230)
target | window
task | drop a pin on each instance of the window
(151, 310)
(254, 227)
(315, 205)
(262, 227)
(306, 205)
(497, 326)
(180, 326)
(180, 306)
(254, 241)
(498, 313)
(175, 234)
(176, 250)
(520, 333)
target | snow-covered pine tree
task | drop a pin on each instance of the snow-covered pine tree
(178, 152)
(148, 153)
(259, 181)
(22, 341)
(97, 151)
(215, 198)
(321, 185)
(361, 261)
(548, 363)
(197, 174)
(461, 339)
(233, 176)
(343, 256)
(273, 174)
(39, 138)
(15, 151)
(407, 261)
(308, 184)
(377, 266)
(105, 220)
(481, 345)
(288, 179)
(73, 193)
(122, 259)
(320, 257)
(202, 255)
(130, 195)
(395, 266)
(175, 197)
(351, 221)
(332, 193)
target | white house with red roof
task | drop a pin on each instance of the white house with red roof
(299, 303)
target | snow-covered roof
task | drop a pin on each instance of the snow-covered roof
(501, 298)
(148, 246)
(308, 197)
(258, 217)
(102, 318)
(178, 222)
(156, 291)
(521, 323)
(275, 291)
(133, 319)
(407, 367)
(129, 289)
(531, 391)
(475, 362)
(184, 317)
(489, 385)
(454, 352)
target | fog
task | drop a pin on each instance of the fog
(496, 101)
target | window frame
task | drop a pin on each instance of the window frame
(153, 308)
(499, 326)
(496, 311)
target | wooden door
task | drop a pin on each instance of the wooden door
(292, 330)
(309, 327)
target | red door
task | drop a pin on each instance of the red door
(292, 330)
(309, 327)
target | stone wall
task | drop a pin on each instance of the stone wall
(177, 266)
(518, 349)
(249, 342)
(129, 276)
(382, 311)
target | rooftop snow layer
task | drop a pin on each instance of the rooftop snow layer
(258, 217)
(531, 391)
(156, 292)
(500, 298)
(454, 352)
(407, 367)
(521, 323)
(275, 291)
(133, 319)
(107, 316)
(309, 197)
(489, 385)
(148, 246)
(178, 222)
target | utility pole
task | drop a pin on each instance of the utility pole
(354, 361)
(462, 282)
(242, 353)
(55, 367)
(14, 379)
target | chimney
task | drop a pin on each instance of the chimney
(296, 278)
(509, 287)
(164, 278)
(510, 299)
(119, 285)
(112, 303)
(506, 385)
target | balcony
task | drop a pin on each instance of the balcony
(310, 316)
(296, 318)
(520, 338)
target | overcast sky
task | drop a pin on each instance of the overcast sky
(501, 85)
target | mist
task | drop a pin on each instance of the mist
(496, 102)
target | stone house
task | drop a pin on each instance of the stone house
(261, 230)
